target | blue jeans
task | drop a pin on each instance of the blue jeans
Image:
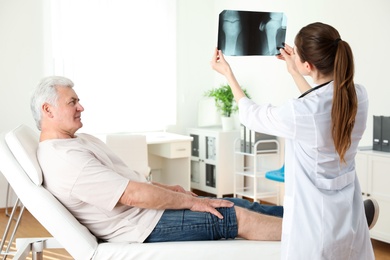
(187, 225)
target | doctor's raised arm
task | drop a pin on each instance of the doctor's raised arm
(219, 64)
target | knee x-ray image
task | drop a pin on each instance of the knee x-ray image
(242, 33)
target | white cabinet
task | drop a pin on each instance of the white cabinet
(250, 169)
(212, 157)
(373, 171)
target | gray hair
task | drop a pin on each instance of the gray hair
(46, 92)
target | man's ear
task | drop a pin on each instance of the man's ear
(46, 108)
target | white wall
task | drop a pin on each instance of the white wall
(362, 23)
(195, 43)
(21, 58)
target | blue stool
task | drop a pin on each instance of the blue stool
(276, 175)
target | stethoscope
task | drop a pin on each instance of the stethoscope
(313, 89)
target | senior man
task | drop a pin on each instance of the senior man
(118, 204)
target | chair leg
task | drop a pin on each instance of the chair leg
(6, 252)
(37, 250)
(37, 256)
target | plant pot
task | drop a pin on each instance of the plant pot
(227, 123)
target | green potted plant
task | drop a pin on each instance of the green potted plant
(225, 103)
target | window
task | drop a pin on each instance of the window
(121, 55)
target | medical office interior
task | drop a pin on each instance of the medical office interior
(145, 68)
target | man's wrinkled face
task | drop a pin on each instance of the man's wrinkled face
(67, 112)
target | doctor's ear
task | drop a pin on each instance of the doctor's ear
(309, 67)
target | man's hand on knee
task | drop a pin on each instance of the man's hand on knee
(210, 205)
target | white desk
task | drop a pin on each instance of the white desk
(170, 158)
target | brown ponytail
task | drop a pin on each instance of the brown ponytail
(344, 106)
(320, 45)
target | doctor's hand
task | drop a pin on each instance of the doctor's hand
(288, 55)
(210, 205)
(219, 64)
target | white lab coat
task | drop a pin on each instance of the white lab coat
(323, 209)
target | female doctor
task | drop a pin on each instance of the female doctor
(323, 210)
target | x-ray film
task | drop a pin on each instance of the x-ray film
(244, 33)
